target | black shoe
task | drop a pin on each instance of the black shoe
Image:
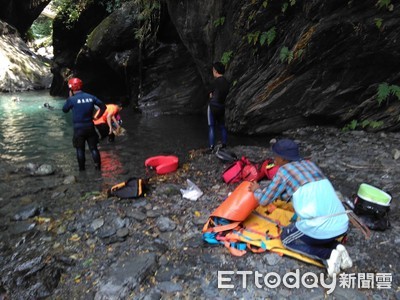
(210, 150)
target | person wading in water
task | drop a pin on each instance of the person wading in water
(83, 108)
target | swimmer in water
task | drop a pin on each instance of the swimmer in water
(48, 106)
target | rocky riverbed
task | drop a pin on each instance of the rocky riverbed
(61, 237)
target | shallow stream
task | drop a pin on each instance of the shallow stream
(29, 132)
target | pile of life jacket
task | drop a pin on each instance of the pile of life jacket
(241, 225)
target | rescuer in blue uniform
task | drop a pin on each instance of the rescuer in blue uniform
(83, 108)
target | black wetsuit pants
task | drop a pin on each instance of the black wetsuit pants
(81, 136)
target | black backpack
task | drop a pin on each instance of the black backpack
(226, 155)
(375, 216)
(132, 188)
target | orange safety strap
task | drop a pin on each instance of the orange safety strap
(140, 187)
(219, 228)
(118, 186)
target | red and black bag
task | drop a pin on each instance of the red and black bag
(242, 169)
(256, 172)
(252, 172)
(233, 173)
(269, 169)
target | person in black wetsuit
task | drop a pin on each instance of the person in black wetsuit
(216, 107)
(83, 108)
(48, 106)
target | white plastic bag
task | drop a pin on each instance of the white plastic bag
(192, 192)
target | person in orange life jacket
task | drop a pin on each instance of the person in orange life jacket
(105, 124)
(83, 107)
(322, 216)
(216, 107)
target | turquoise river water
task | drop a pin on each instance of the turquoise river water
(29, 132)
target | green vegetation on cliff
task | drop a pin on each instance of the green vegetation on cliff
(70, 10)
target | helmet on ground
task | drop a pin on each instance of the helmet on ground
(75, 84)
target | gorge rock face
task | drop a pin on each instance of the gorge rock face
(21, 13)
(158, 72)
(68, 39)
(171, 83)
(337, 56)
(290, 64)
(20, 69)
(103, 61)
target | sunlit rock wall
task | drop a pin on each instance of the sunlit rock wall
(20, 69)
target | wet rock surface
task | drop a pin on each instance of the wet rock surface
(85, 245)
(20, 68)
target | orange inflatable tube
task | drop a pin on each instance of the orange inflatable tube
(239, 205)
(163, 164)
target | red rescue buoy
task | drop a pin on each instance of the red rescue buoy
(163, 164)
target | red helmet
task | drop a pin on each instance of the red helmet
(75, 84)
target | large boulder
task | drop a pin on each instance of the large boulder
(68, 39)
(20, 69)
(110, 51)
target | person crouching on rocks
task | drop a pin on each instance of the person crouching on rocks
(322, 217)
